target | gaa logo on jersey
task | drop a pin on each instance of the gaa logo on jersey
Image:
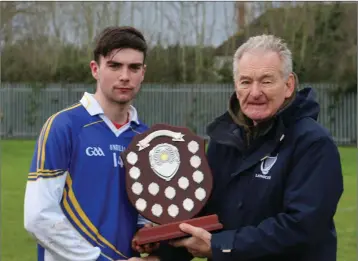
(94, 151)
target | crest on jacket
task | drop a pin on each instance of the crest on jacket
(267, 164)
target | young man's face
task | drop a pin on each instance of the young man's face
(119, 75)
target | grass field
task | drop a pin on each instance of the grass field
(16, 245)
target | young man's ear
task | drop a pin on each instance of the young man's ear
(144, 70)
(94, 69)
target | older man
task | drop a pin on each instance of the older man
(277, 171)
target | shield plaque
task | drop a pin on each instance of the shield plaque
(168, 180)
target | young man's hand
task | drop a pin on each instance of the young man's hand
(147, 248)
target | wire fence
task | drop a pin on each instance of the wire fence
(24, 109)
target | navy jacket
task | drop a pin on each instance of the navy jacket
(276, 198)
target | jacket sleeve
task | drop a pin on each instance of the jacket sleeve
(43, 216)
(313, 189)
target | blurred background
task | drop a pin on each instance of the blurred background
(46, 48)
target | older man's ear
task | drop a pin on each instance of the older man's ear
(290, 85)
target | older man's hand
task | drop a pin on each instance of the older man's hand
(199, 244)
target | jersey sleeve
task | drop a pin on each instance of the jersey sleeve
(141, 221)
(43, 216)
(52, 151)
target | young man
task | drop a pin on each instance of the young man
(76, 205)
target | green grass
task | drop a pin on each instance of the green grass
(17, 245)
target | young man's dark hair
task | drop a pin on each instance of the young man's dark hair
(119, 37)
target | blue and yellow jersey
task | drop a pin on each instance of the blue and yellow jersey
(76, 204)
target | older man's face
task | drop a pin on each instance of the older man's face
(260, 86)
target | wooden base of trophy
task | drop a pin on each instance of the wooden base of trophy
(172, 231)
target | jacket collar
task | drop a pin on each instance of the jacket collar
(235, 131)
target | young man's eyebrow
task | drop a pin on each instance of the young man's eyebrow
(136, 64)
(113, 62)
(119, 63)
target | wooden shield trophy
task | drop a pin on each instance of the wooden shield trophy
(168, 180)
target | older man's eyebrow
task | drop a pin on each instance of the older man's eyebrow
(267, 76)
(244, 77)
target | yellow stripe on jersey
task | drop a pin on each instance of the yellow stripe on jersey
(45, 171)
(33, 176)
(85, 219)
(42, 143)
(40, 140)
(89, 124)
(75, 219)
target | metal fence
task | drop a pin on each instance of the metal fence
(24, 109)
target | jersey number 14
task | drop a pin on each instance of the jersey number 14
(117, 160)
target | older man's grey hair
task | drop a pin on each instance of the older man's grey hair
(266, 43)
